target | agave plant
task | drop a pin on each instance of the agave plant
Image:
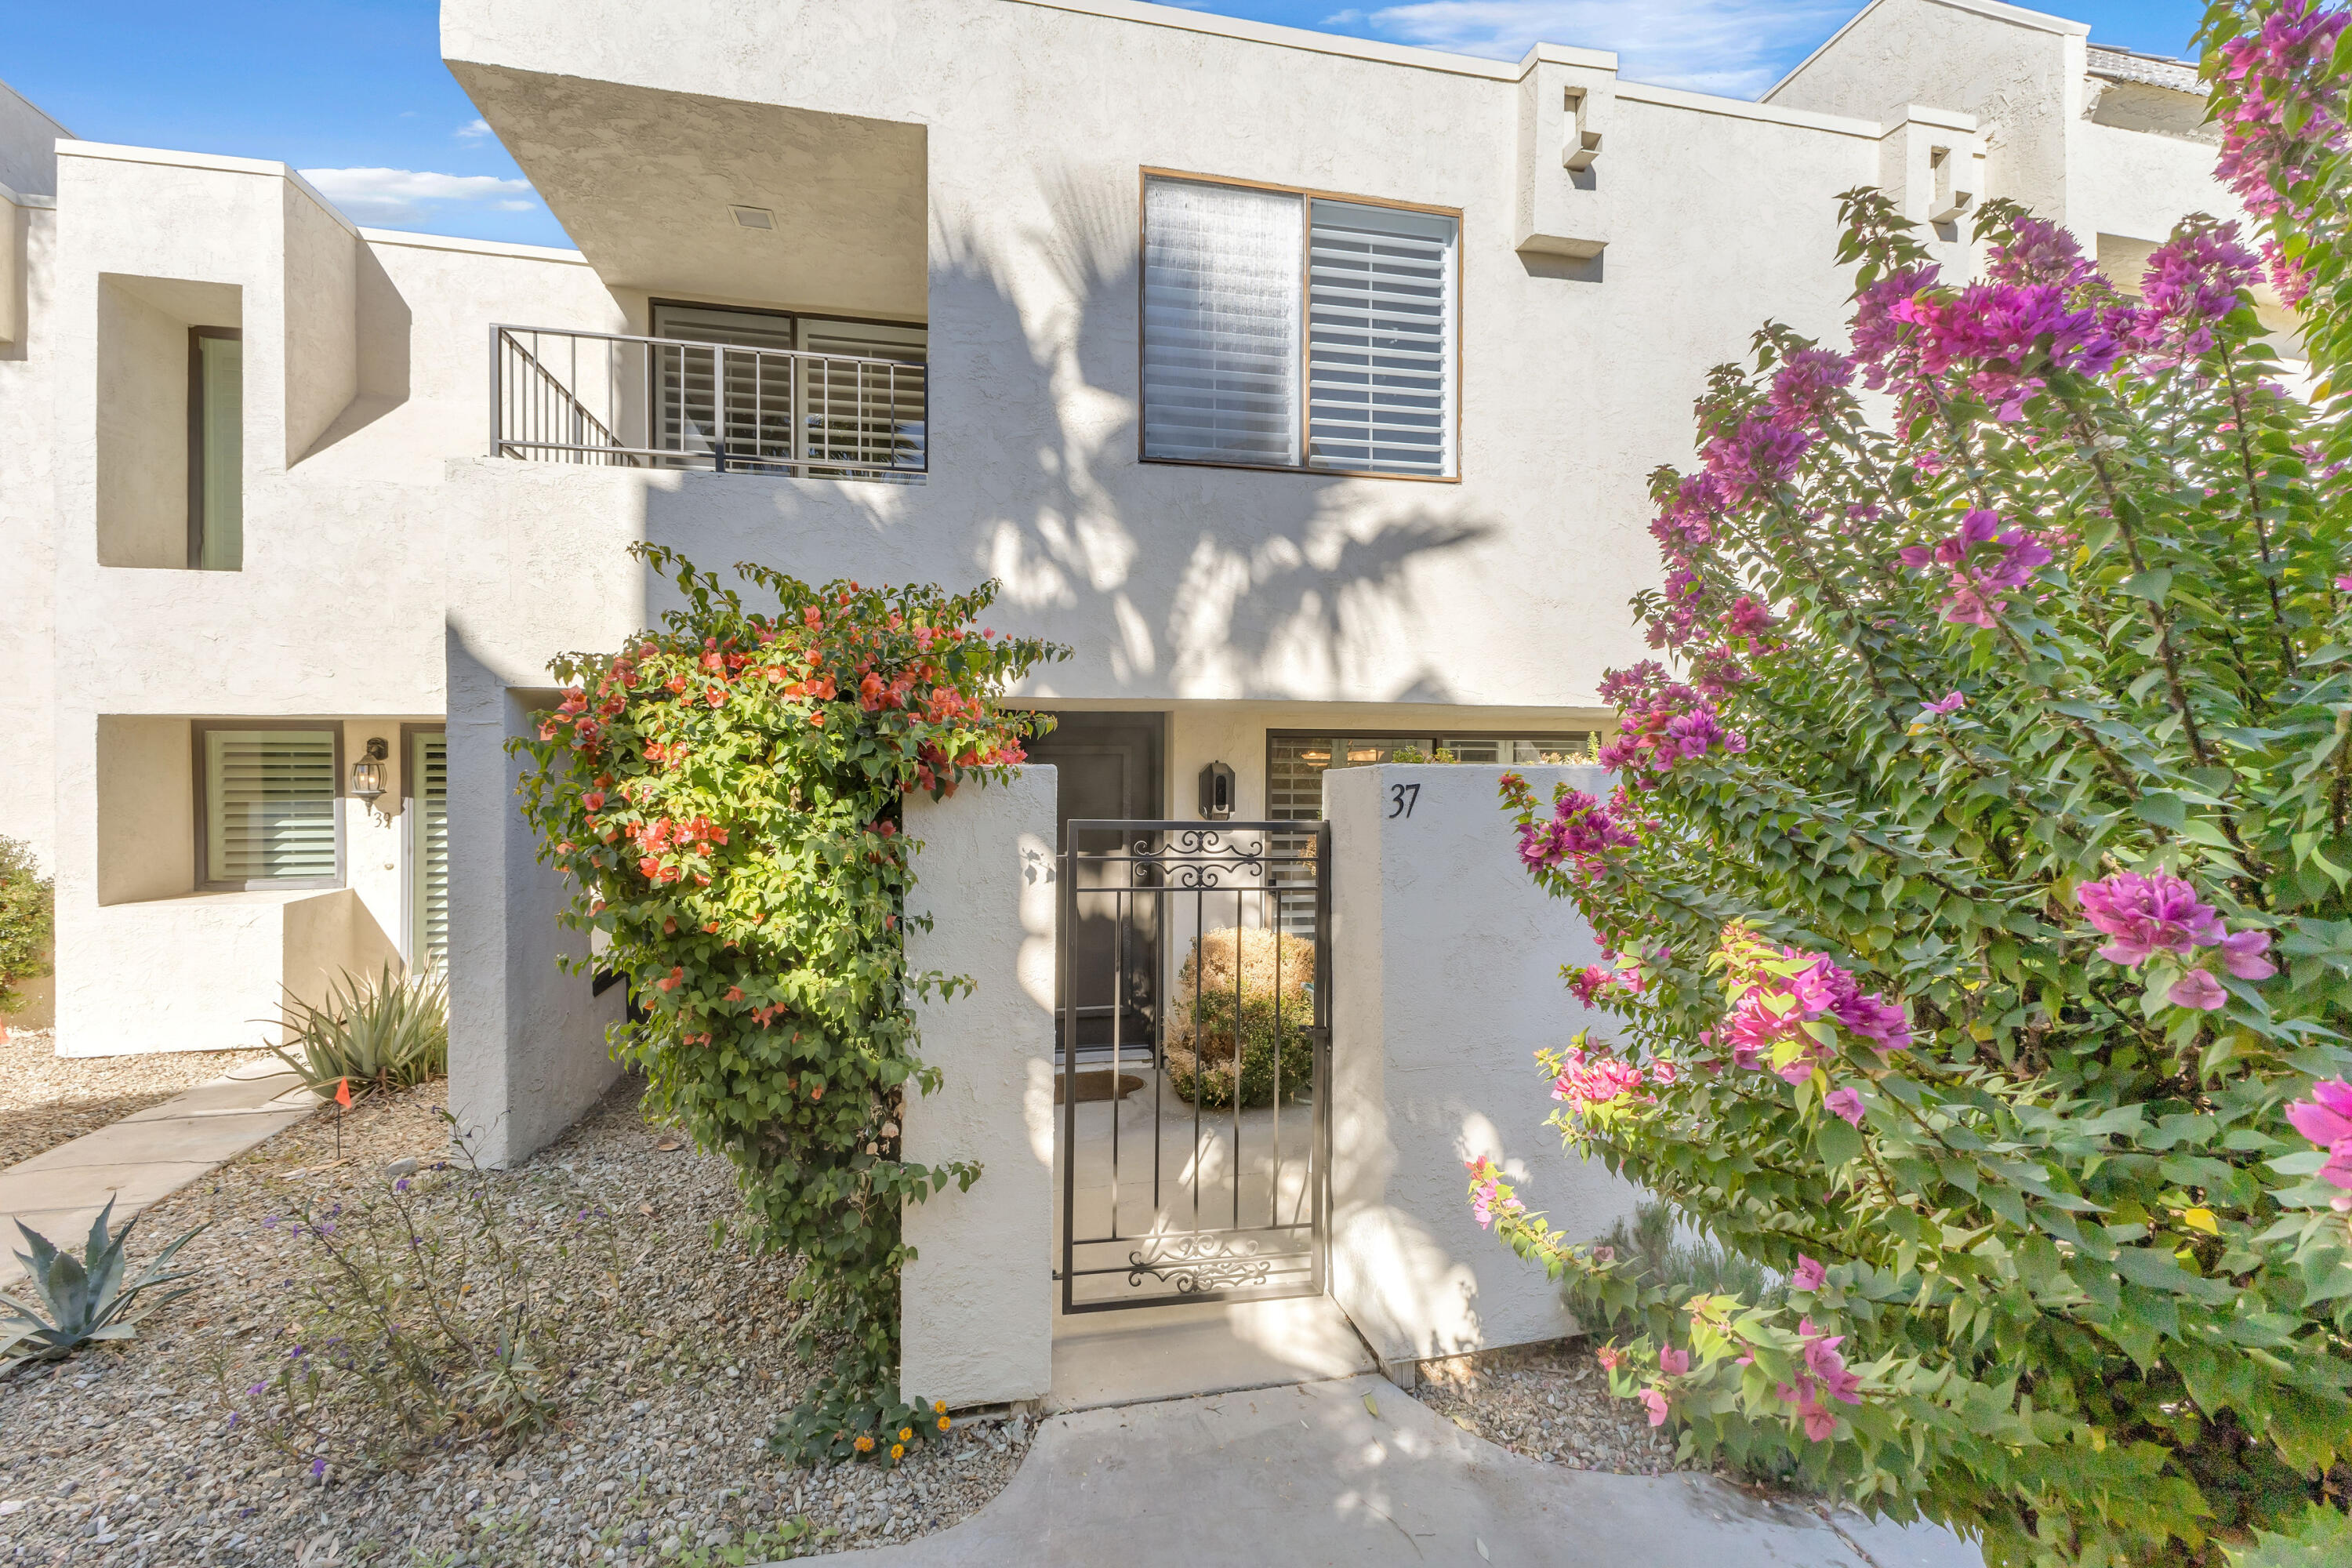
(390, 1032)
(85, 1298)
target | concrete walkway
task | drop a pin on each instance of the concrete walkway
(1355, 1471)
(142, 1158)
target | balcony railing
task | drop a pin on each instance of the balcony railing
(666, 402)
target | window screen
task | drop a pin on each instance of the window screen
(1221, 310)
(216, 449)
(428, 851)
(269, 807)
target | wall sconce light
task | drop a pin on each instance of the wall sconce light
(367, 774)
(1216, 792)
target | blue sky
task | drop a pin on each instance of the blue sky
(354, 91)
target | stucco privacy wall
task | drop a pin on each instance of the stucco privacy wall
(976, 1305)
(1190, 583)
(1445, 960)
(527, 1052)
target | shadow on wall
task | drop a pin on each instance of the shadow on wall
(1166, 579)
(383, 322)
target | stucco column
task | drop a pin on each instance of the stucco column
(527, 1052)
(976, 1306)
(1446, 962)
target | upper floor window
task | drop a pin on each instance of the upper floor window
(1290, 330)
(216, 449)
(789, 391)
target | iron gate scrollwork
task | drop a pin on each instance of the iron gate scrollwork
(1194, 1106)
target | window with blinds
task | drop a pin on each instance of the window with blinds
(270, 816)
(784, 389)
(1284, 330)
(428, 851)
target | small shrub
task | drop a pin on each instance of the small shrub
(82, 1300)
(422, 1325)
(27, 917)
(1213, 1004)
(389, 1032)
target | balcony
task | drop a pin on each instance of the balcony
(607, 399)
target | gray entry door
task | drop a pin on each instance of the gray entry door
(1109, 767)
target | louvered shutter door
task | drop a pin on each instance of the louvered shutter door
(269, 800)
(429, 848)
(1221, 307)
(863, 416)
(708, 394)
(1380, 311)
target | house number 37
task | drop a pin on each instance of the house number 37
(1401, 799)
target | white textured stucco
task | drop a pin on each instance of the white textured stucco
(526, 1051)
(977, 1304)
(1445, 960)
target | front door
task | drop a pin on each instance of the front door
(1109, 768)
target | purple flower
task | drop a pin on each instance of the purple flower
(2242, 954)
(2146, 915)
(2326, 1119)
(1810, 1274)
(2197, 989)
(1846, 1103)
(1951, 702)
(318, 1468)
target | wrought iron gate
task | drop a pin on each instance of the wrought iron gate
(1195, 1121)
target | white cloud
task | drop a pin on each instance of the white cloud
(406, 195)
(1737, 48)
(473, 130)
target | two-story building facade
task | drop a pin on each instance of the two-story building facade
(1306, 386)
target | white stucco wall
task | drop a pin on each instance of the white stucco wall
(527, 1052)
(1446, 960)
(977, 1302)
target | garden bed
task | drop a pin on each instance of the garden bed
(157, 1452)
(1548, 1401)
(47, 1099)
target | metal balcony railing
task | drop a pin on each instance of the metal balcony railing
(666, 402)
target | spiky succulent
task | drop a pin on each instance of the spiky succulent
(81, 1300)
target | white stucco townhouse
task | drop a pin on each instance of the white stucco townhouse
(1083, 295)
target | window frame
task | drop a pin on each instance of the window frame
(411, 851)
(1435, 733)
(196, 336)
(1308, 194)
(205, 882)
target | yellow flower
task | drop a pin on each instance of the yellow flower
(905, 1434)
(897, 1450)
(864, 1445)
(938, 1407)
(943, 1422)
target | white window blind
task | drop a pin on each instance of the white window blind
(1222, 304)
(269, 805)
(428, 852)
(1380, 308)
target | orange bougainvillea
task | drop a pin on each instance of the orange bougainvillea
(724, 796)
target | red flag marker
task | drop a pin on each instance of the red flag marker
(344, 1092)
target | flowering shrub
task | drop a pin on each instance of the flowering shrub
(723, 795)
(1977, 882)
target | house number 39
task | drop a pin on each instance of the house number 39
(1401, 799)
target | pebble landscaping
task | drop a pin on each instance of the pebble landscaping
(47, 1099)
(150, 1453)
(1549, 1402)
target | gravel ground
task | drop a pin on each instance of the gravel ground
(47, 1099)
(153, 1453)
(1550, 1402)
